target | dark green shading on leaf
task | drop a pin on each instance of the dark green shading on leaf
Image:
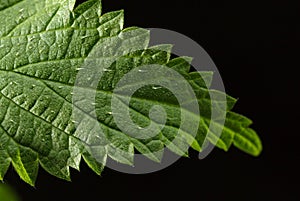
(43, 46)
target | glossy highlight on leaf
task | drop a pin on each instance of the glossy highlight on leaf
(44, 44)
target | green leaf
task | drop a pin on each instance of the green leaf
(51, 55)
(235, 129)
(245, 138)
(202, 79)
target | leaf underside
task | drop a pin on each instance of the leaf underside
(43, 46)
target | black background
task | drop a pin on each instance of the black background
(255, 47)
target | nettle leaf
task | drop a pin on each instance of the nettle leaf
(55, 112)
